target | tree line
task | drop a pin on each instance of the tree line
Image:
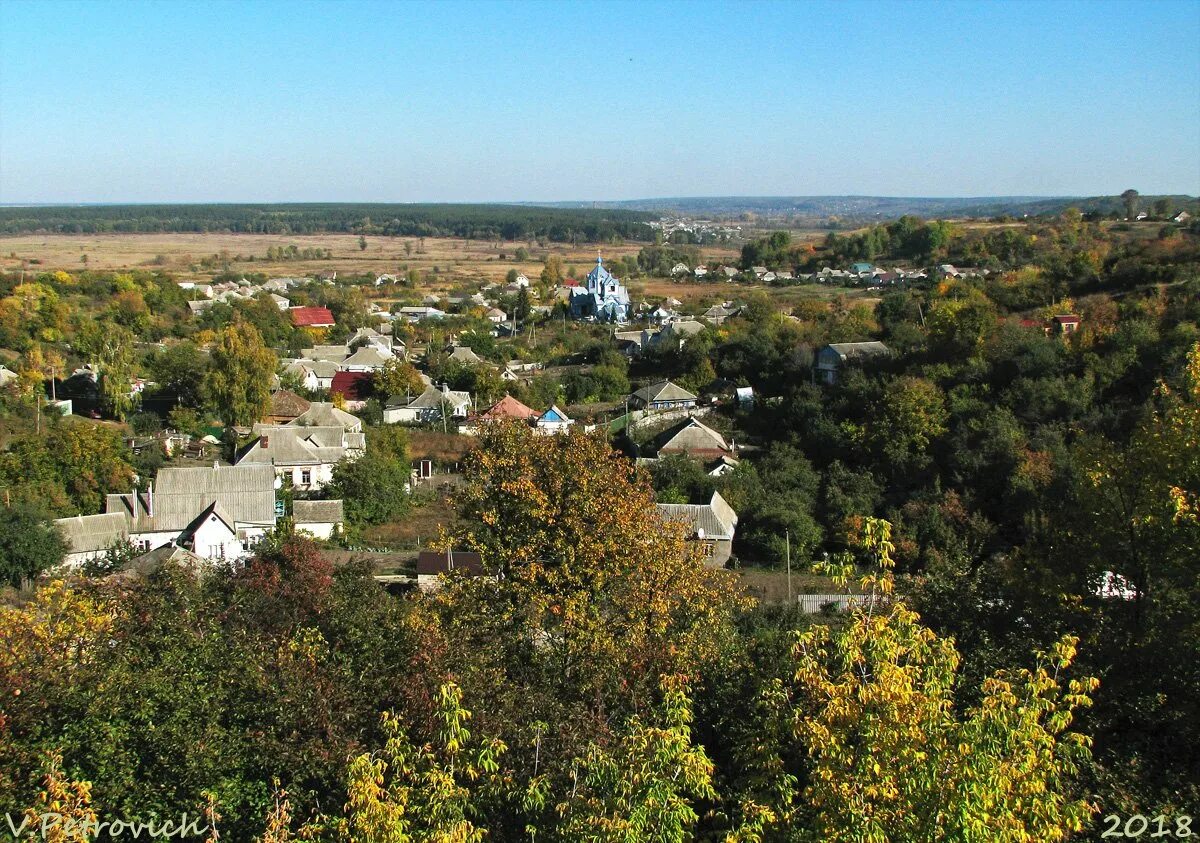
(481, 222)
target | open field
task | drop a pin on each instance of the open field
(453, 259)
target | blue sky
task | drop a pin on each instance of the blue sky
(476, 101)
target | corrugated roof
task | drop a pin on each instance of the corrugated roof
(691, 435)
(318, 512)
(311, 317)
(289, 445)
(90, 533)
(356, 386)
(716, 518)
(246, 494)
(368, 355)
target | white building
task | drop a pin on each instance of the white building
(218, 513)
(302, 456)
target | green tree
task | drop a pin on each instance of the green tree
(180, 371)
(28, 545)
(110, 348)
(1130, 200)
(238, 382)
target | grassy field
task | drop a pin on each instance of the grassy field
(768, 585)
(454, 259)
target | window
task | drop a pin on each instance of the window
(305, 477)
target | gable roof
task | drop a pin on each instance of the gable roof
(554, 415)
(284, 402)
(431, 399)
(336, 353)
(356, 386)
(465, 354)
(287, 445)
(692, 436)
(663, 391)
(246, 494)
(368, 355)
(312, 317)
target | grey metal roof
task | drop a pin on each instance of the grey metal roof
(318, 512)
(716, 518)
(246, 494)
(89, 533)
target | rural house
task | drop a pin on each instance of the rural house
(663, 395)
(831, 359)
(319, 519)
(311, 317)
(218, 513)
(432, 405)
(712, 524)
(302, 456)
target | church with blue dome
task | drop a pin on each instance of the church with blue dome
(604, 298)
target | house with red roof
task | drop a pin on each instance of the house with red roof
(354, 387)
(311, 317)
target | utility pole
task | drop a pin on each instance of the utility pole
(787, 537)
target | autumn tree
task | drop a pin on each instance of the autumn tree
(552, 271)
(398, 377)
(586, 564)
(238, 381)
(895, 755)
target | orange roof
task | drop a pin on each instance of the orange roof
(508, 408)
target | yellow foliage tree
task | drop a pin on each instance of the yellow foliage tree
(894, 757)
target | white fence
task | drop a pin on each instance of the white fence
(814, 603)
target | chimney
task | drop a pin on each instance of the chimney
(150, 499)
(445, 388)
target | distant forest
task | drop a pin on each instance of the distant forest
(483, 222)
(888, 207)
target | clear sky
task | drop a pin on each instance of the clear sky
(476, 101)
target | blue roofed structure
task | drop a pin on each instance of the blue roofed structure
(603, 298)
